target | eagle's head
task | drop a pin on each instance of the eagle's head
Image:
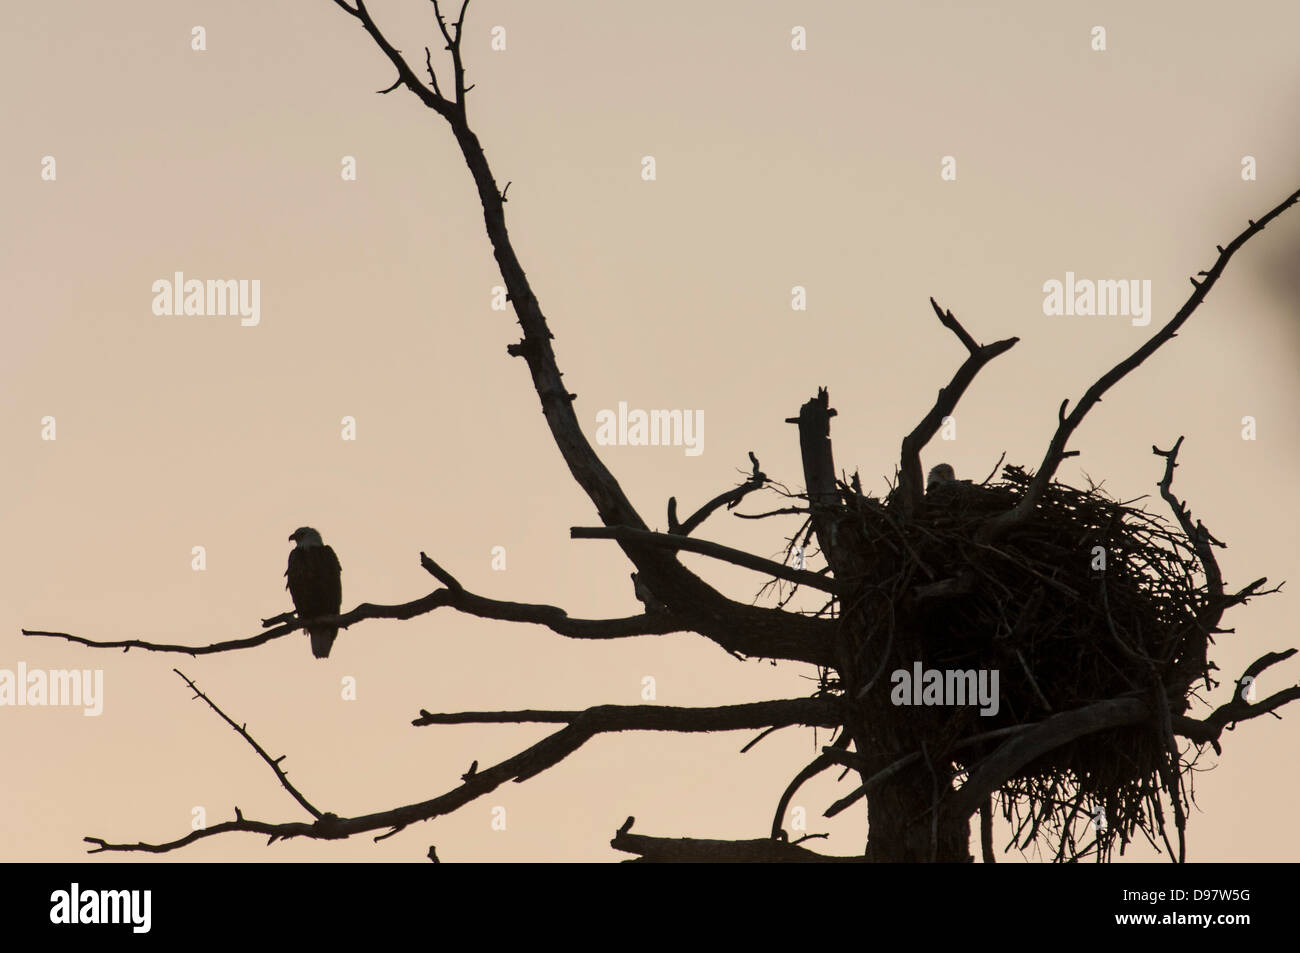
(306, 537)
(943, 473)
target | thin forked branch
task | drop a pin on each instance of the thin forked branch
(1209, 729)
(757, 480)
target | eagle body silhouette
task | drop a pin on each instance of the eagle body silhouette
(939, 475)
(942, 484)
(316, 585)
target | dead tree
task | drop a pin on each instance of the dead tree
(1003, 575)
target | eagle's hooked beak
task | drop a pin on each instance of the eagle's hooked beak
(293, 537)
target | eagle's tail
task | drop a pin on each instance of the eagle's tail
(322, 640)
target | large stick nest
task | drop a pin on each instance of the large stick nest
(1093, 599)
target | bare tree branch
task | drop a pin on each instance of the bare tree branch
(1209, 729)
(826, 759)
(273, 763)
(1023, 747)
(1056, 452)
(818, 458)
(662, 573)
(822, 712)
(527, 764)
(679, 849)
(1199, 537)
(556, 619)
(453, 45)
(889, 771)
(1195, 646)
(910, 480)
(705, 548)
(756, 481)
(750, 630)
(405, 76)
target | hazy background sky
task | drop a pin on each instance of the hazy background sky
(775, 168)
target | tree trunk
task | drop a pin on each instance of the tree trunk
(901, 810)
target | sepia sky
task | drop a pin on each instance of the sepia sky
(774, 168)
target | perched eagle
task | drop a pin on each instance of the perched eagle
(943, 473)
(316, 585)
(942, 484)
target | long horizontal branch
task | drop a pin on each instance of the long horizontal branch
(813, 712)
(739, 557)
(528, 763)
(554, 618)
(699, 850)
(1066, 426)
(752, 630)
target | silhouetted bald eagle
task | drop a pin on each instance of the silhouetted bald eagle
(942, 485)
(943, 473)
(316, 585)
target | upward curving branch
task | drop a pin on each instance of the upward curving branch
(1003, 523)
(729, 498)
(910, 481)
